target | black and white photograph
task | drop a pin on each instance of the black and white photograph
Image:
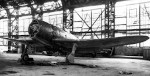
(74, 37)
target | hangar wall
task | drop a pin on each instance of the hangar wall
(131, 19)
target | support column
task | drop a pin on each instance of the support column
(64, 18)
(67, 15)
(16, 30)
(68, 18)
(71, 18)
(139, 22)
(13, 30)
(9, 28)
(109, 19)
(110, 22)
(37, 13)
(9, 34)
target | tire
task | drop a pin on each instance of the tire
(25, 57)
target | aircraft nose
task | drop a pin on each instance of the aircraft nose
(33, 29)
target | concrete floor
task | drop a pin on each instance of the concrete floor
(84, 66)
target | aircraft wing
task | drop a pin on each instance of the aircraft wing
(24, 40)
(103, 43)
(89, 43)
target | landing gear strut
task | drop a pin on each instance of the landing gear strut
(25, 60)
(70, 57)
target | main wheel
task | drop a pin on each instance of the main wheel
(25, 57)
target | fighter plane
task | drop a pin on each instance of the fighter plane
(51, 36)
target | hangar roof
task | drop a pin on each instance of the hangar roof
(65, 3)
(83, 3)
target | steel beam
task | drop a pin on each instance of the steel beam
(9, 28)
(84, 3)
(110, 22)
(68, 18)
(109, 19)
(12, 29)
(15, 30)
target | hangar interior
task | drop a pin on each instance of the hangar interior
(88, 19)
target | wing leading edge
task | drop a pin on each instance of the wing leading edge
(103, 43)
(26, 40)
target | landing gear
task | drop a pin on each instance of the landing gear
(108, 52)
(70, 57)
(94, 54)
(25, 57)
(25, 60)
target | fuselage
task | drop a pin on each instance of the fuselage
(46, 33)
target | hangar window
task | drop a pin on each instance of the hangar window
(1, 28)
(145, 11)
(133, 13)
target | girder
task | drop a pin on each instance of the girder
(83, 3)
(65, 3)
(109, 19)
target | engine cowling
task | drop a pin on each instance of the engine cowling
(41, 31)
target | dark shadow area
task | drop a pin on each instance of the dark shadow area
(4, 63)
(48, 73)
(7, 72)
(128, 57)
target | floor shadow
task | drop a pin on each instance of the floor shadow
(4, 63)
